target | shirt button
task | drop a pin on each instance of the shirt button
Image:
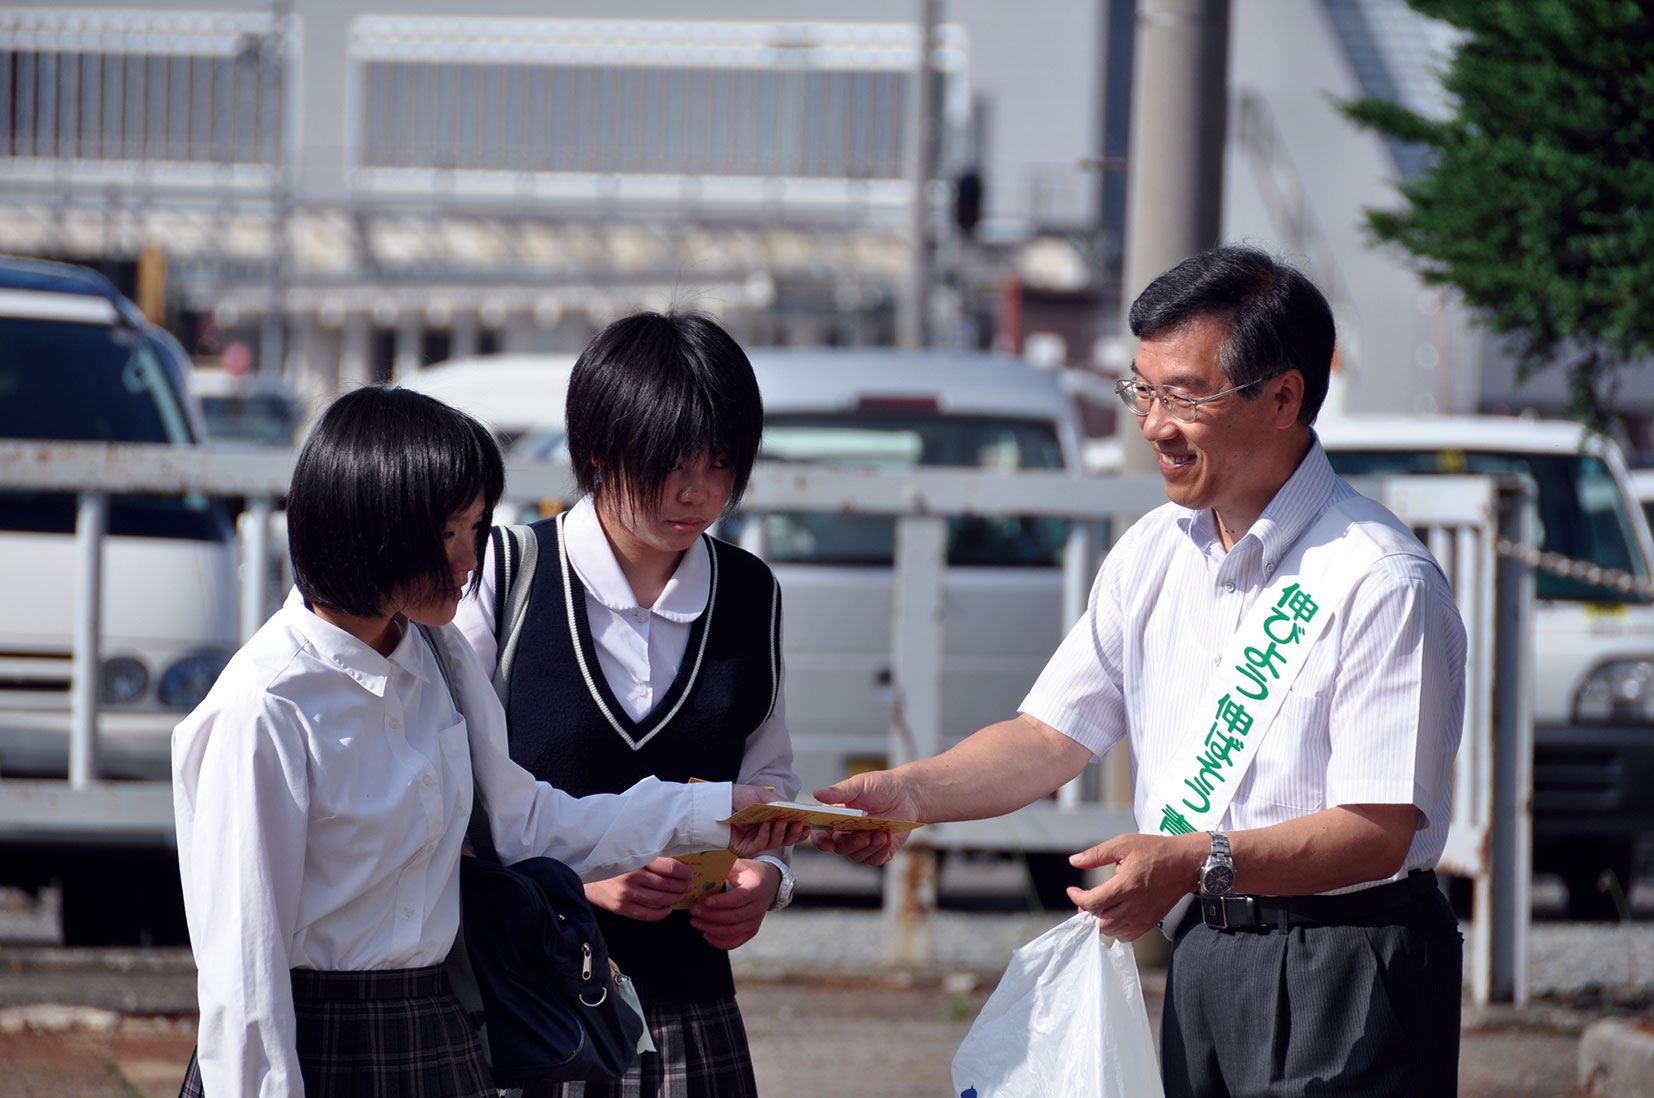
(395, 723)
(428, 781)
(642, 615)
(1229, 587)
(1269, 566)
(407, 912)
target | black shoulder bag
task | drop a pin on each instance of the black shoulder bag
(531, 961)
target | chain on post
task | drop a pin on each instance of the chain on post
(1581, 571)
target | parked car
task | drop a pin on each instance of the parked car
(246, 408)
(79, 363)
(1593, 691)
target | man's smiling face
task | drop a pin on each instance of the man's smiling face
(1228, 460)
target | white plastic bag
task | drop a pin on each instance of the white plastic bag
(1066, 1021)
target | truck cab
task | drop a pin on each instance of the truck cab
(1593, 694)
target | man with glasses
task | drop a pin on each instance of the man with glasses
(1287, 664)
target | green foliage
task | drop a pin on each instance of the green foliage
(1538, 204)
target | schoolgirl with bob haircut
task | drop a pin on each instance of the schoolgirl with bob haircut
(638, 645)
(323, 787)
(380, 461)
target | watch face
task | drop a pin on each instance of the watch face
(1217, 879)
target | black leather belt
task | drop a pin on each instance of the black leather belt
(1285, 912)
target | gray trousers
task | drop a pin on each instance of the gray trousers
(1367, 1008)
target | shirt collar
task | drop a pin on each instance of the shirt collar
(342, 648)
(593, 559)
(1297, 504)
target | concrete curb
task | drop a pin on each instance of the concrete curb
(1616, 1058)
(56, 1017)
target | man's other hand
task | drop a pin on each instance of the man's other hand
(1151, 873)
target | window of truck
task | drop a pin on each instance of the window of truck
(75, 382)
(904, 440)
(1582, 511)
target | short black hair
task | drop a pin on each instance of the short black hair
(378, 479)
(651, 389)
(1277, 319)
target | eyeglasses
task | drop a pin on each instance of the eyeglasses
(1140, 397)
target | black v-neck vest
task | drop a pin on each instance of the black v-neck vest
(567, 728)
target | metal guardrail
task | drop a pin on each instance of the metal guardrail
(1461, 519)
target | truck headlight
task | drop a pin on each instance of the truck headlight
(186, 682)
(1617, 691)
(123, 679)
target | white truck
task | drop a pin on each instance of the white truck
(78, 363)
(1593, 691)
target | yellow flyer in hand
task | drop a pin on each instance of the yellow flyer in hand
(711, 871)
(818, 815)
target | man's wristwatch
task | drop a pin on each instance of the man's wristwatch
(1217, 873)
(784, 893)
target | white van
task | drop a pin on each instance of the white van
(512, 395)
(79, 363)
(1594, 645)
(1003, 589)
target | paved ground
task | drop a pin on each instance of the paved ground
(812, 1038)
(828, 1018)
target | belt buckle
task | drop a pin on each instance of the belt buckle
(1214, 911)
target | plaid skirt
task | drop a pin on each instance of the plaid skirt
(384, 1032)
(702, 1053)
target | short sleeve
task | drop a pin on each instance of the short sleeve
(1397, 709)
(1079, 693)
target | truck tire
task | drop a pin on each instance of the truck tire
(1049, 876)
(132, 901)
(1583, 873)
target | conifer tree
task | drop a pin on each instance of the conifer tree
(1537, 199)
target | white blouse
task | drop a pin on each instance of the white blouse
(322, 792)
(639, 648)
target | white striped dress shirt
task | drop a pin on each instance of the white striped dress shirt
(1374, 717)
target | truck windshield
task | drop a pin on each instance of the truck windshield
(1582, 511)
(73, 382)
(904, 440)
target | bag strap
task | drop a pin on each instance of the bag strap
(516, 553)
(462, 977)
(478, 835)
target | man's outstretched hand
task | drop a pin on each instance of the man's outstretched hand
(878, 793)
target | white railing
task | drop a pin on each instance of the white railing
(1460, 519)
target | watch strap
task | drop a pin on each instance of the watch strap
(783, 893)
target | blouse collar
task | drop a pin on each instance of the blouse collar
(593, 559)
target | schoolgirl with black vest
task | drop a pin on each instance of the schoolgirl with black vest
(628, 643)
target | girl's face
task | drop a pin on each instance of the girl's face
(695, 494)
(459, 539)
